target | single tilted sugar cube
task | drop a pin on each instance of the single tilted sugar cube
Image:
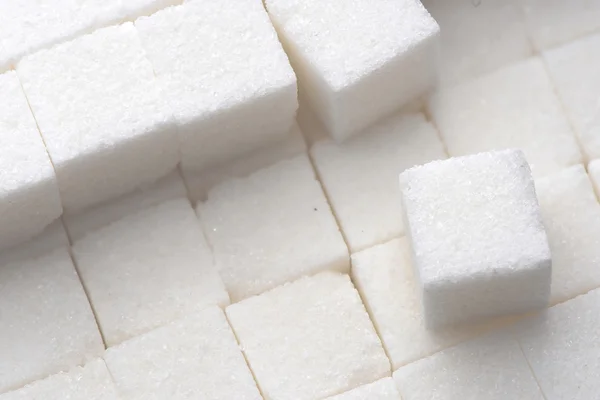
(574, 70)
(101, 115)
(513, 107)
(148, 269)
(571, 215)
(90, 382)
(29, 198)
(384, 276)
(271, 227)
(167, 188)
(383, 389)
(224, 74)
(478, 242)
(30, 25)
(478, 37)
(348, 56)
(200, 183)
(360, 175)
(309, 339)
(47, 323)
(561, 346)
(554, 22)
(193, 358)
(492, 368)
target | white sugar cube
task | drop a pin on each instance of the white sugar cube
(384, 276)
(574, 70)
(91, 382)
(199, 184)
(478, 242)
(194, 358)
(148, 269)
(491, 368)
(553, 22)
(348, 66)
(100, 112)
(225, 75)
(47, 323)
(271, 227)
(168, 188)
(360, 176)
(383, 389)
(561, 346)
(309, 339)
(478, 36)
(29, 198)
(513, 107)
(571, 215)
(30, 25)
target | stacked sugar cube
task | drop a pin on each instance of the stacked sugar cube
(200, 199)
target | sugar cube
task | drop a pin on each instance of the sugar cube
(571, 215)
(513, 107)
(167, 188)
(47, 323)
(100, 112)
(562, 349)
(271, 227)
(553, 22)
(30, 25)
(29, 198)
(193, 358)
(90, 382)
(147, 269)
(478, 37)
(478, 242)
(360, 175)
(574, 70)
(383, 389)
(492, 368)
(225, 75)
(309, 339)
(341, 59)
(384, 276)
(199, 184)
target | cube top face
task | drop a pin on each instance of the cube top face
(473, 216)
(309, 339)
(93, 93)
(240, 57)
(359, 35)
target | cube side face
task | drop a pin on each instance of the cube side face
(484, 228)
(78, 91)
(380, 50)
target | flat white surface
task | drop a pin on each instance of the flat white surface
(573, 69)
(29, 199)
(101, 115)
(47, 323)
(193, 358)
(384, 276)
(360, 176)
(512, 107)
(90, 382)
(491, 368)
(479, 249)
(478, 36)
(148, 269)
(344, 53)
(233, 93)
(561, 346)
(309, 339)
(383, 389)
(271, 227)
(571, 216)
